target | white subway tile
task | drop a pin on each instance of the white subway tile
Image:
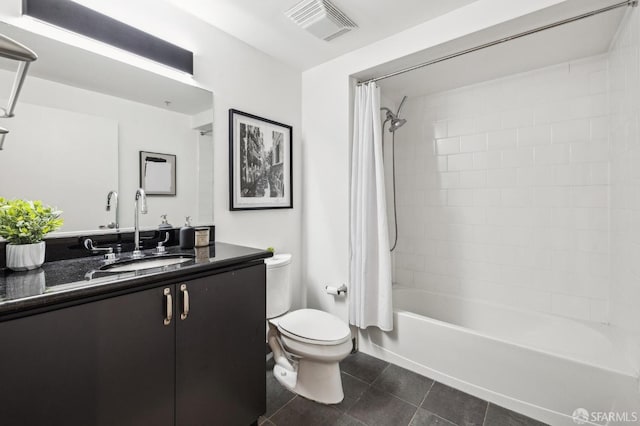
(449, 180)
(570, 306)
(589, 152)
(513, 118)
(573, 174)
(465, 215)
(473, 178)
(403, 276)
(488, 122)
(599, 173)
(534, 135)
(460, 197)
(553, 196)
(503, 139)
(486, 197)
(435, 197)
(590, 196)
(461, 126)
(442, 163)
(440, 129)
(460, 162)
(568, 131)
(412, 262)
(517, 237)
(502, 177)
(516, 197)
(517, 157)
(593, 241)
(487, 160)
(473, 143)
(599, 127)
(448, 146)
(487, 234)
(552, 154)
(536, 176)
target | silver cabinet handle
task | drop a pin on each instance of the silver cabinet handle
(169, 300)
(185, 302)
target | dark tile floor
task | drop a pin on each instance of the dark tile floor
(381, 394)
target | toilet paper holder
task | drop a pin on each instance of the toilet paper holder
(336, 290)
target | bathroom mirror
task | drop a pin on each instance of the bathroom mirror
(79, 126)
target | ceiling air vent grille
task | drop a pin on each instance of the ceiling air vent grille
(321, 18)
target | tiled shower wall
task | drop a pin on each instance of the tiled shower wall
(624, 83)
(503, 191)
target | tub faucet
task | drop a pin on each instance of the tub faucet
(140, 207)
(113, 195)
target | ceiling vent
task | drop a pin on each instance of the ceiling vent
(321, 18)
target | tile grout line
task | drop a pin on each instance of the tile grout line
(422, 402)
(381, 373)
(486, 411)
(278, 410)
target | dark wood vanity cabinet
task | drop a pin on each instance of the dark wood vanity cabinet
(120, 361)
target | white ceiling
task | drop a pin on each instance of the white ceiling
(262, 24)
(587, 37)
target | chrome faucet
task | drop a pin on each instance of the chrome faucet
(141, 202)
(113, 195)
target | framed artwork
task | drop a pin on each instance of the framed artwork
(260, 171)
(157, 173)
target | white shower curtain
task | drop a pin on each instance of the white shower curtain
(370, 266)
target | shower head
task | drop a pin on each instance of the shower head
(396, 123)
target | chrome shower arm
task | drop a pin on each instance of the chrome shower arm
(7, 112)
(11, 49)
(15, 51)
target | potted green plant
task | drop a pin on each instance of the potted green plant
(24, 224)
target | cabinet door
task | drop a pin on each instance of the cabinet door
(109, 362)
(220, 350)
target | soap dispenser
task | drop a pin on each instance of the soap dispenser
(165, 224)
(187, 235)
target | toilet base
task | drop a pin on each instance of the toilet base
(317, 381)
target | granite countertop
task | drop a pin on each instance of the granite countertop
(73, 279)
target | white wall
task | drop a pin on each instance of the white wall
(624, 86)
(326, 138)
(243, 78)
(502, 191)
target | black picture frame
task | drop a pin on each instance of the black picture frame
(260, 163)
(156, 187)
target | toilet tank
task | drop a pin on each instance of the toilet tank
(278, 284)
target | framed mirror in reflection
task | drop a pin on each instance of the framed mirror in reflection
(80, 123)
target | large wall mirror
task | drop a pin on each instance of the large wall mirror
(80, 124)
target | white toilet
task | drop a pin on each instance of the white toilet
(307, 344)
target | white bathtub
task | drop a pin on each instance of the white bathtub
(539, 365)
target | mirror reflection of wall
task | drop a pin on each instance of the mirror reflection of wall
(69, 147)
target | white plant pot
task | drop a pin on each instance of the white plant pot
(24, 257)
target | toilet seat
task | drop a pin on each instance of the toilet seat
(314, 327)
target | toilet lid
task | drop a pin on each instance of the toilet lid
(311, 324)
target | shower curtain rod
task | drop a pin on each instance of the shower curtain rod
(632, 3)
